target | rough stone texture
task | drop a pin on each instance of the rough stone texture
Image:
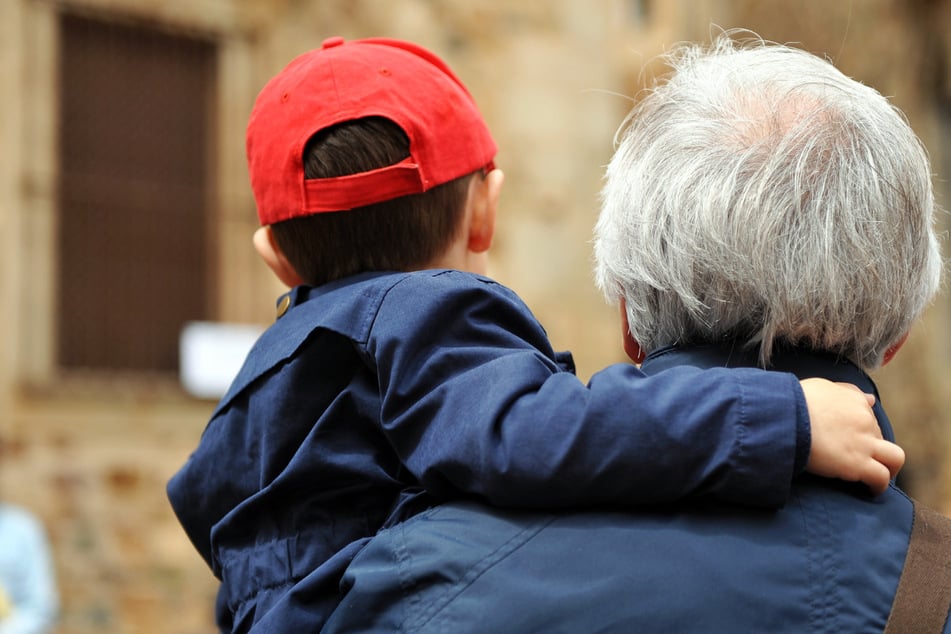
(91, 455)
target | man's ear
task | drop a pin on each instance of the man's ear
(484, 201)
(270, 251)
(631, 347)
(893, 349)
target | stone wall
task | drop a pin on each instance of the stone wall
(554, 79)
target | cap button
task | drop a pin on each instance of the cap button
(331, 42)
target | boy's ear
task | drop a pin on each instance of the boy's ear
(484, 201)
(270, 251)
(631, 347)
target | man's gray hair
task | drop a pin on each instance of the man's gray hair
(760, 194)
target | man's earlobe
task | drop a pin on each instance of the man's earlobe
(270, 251)
(631, 347)
(893, 349)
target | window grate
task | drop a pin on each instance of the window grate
(135, 151)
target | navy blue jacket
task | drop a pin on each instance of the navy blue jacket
(829, 561)
(374, 397)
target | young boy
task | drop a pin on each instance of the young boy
(397, 376)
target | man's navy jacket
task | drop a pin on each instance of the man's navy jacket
(829, 561)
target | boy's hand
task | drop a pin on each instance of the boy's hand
(846, 440)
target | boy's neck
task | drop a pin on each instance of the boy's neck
(461, 259)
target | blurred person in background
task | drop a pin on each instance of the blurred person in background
(28, 597)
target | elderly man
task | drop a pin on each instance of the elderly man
(762, 209)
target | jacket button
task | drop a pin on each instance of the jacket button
(283, 305)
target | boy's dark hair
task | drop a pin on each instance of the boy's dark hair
(395, 235)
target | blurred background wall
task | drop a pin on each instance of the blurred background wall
(125, 213)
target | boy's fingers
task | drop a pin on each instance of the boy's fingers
(869, 398)
(886, 461)
(877, 477)
(890, 455)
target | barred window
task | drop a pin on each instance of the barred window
(136, 186)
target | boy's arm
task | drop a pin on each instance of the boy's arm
(474, 402)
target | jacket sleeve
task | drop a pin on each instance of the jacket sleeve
(474, 402)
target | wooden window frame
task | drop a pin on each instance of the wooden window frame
(33, 344)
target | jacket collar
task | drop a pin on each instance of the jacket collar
(802, 362)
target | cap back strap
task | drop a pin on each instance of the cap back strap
(341, 193)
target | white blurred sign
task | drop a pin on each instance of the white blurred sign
(211, 353)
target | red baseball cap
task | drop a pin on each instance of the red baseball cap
(347, 80)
